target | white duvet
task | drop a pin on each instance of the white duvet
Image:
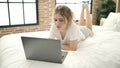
(100, 51)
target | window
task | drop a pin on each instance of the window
(18, 12)
(75, 6)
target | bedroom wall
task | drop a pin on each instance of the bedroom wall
(45, 13)
(96, 4)
(118, 7)
(94, 10)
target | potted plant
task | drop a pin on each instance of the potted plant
(106, 6)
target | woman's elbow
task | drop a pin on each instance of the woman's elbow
(73, 49)
(73, 45)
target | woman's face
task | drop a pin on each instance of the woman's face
(60, 21)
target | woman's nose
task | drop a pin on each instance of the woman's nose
(58, 25)
(57, 22)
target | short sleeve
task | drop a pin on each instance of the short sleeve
(54, 33)
(75, 33)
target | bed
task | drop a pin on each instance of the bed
(102, 50)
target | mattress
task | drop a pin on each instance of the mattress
(100, 51)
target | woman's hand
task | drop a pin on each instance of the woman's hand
(72, 46)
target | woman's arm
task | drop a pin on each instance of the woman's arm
(72, 46)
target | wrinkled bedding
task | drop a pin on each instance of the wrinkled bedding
(100, 51)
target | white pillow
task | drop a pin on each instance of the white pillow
(112, 23)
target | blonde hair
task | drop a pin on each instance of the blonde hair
(65, 12)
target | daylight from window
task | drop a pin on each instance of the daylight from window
(74, 5)
(18, 12)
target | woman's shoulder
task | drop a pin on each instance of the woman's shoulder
(53, 27)
(74, 26)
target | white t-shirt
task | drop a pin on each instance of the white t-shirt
(73, 33)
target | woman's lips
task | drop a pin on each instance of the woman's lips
(58, 27)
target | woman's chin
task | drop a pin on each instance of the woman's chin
(59, 28)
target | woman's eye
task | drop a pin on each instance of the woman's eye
(61, 20)
(55, 19)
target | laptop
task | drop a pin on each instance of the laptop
(43, 49)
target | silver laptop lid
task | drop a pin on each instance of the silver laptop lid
(42, 49)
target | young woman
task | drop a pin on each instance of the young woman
(66, 30)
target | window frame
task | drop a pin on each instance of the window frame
(25, 24)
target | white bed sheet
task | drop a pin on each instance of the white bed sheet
(100, 51)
